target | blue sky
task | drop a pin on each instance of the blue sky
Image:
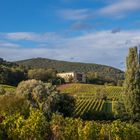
(91, 31)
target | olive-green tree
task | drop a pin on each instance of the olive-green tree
(45, 97)
(42, 74)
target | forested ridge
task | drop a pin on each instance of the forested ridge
(60, 66)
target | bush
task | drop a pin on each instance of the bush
(76, 129)
(46, 97)
(11, 104)
(11, 75)
(66, 105)
(57, 81)
(93, 115)
(101, 93)
(2, 91)
(42, 74)
(35, 127)
(124, 131)
(16, 127)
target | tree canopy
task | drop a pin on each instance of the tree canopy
(45, 97)
(11, 73)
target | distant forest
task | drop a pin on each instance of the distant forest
(102, 72)
(11, 73)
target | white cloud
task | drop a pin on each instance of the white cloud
(31, 36)
(113, 8)
(9, 45)
(120, 7)
(103, 47)
(74, 14)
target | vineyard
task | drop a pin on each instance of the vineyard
(86, 101)
(89, 90)
(91, 105)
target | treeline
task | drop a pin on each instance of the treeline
(11, 73)
(106, 73)
(102, 79)
(45, 75)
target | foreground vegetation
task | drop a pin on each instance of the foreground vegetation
(17, 127)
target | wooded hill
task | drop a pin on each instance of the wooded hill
(11, 73)
(64, 66)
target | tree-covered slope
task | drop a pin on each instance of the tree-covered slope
(61, 66)
(11, 73)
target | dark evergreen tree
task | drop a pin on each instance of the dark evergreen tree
(132, 84)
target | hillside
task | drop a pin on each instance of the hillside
(4, 63)
(61, 66)
(11, 73)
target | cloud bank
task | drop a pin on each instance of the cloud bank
(31, 36)
(103, 47)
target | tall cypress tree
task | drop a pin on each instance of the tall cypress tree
(132, 84)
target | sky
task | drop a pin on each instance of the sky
(90, 31)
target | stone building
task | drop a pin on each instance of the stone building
(73, 76)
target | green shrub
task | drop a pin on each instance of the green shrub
(45, 97)
(11, 104)
(2, 90)
(17, 127)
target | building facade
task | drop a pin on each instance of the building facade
(73, 76)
